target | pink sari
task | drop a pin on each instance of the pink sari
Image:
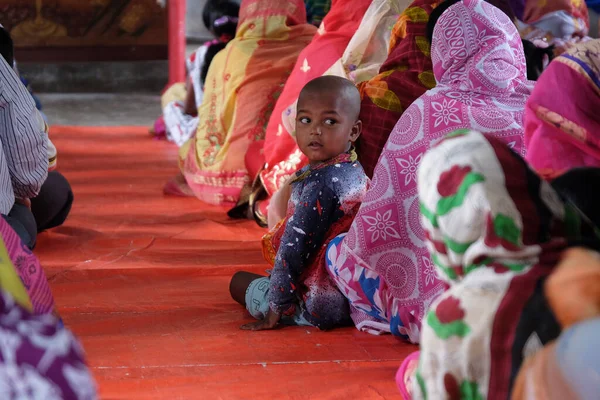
(562, 124)
(383, 265)
(29, 270)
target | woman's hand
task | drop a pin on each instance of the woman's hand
(269, 322)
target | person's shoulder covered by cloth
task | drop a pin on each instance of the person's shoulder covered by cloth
(24, 142)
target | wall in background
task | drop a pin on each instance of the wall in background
(86, 30)
(194, 27)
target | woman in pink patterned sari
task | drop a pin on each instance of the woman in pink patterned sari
(382, 264)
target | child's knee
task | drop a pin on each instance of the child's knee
(235, 281)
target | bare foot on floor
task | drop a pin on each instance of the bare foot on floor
(177, 186)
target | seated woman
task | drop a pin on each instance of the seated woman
(561, 23)
(352, 43)
(180, 103)
(495, 231)
(382, 265)
(407, 74)
(562, 123)
(243, 83)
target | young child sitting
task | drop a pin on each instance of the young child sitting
(325, 197)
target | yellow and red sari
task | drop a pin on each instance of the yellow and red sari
(241, 89)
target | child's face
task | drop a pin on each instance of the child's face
(323, 127)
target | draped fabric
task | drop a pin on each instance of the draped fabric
(382, 264)
(16, 257)
(495, 231)
(40, 359)
(562, 124)
(241, 88)
(406, 74)
(179, 125)
(559, 22)
(352, 42)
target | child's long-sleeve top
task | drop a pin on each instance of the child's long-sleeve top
(323, 203)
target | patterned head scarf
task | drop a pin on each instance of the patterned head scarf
(481, 203)
(495, 231)
(476, 46)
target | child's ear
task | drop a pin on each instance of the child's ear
(356, 131)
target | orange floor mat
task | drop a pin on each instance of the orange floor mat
(142, 279)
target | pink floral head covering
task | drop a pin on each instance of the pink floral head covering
(477, 47)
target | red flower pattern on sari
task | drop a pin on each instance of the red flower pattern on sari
(449, 310)
(451, 180)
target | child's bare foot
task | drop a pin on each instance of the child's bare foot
(178, 186)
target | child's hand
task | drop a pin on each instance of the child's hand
(269, 322)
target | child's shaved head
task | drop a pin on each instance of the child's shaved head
(327, 122)
(344, 89)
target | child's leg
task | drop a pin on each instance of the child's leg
(239, 285)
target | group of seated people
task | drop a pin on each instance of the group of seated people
(39, 357)
(426, 168)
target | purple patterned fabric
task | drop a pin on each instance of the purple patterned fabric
(39, 359)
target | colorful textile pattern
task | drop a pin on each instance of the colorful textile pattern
(40, 359)
(323, 204)
(181, 126)
(383, 266)
(352, 42)
(563, 132)
(562, 18)
(243, 83)
(562, 369)
(561, 23)
(16, 256)
(495, 232)
(406, 74)
(316, 10)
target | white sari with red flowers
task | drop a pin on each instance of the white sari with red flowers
(495, 231)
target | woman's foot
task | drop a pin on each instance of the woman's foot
(178, 186)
